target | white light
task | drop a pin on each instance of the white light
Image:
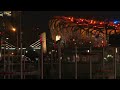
(7, 38)
(12, 53)
(73, 39)
(109, 56)
(58, 37)
(36, 59)
(53, 50)
(76, 56)
(68, 58)
(1, 14)
(116, 50)
(60, 58)
(26, 51)
(9, 48)
(49, 52)
(37, 48)
(105, 58)
(8, 13)
(34, 50)
(88, 51)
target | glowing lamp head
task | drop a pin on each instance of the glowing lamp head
(88, 51)
(58, 37)
(13, 29)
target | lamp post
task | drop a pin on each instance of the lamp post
(76, 59)
(4, 60)
(0, 47)
(115, 63)
(14, 30)
(21, 33)
(58, 39)
(90, 63)
(21, 52)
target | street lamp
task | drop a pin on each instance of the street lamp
(14, 29)
(58, 38)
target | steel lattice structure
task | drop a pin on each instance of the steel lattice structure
(36, 45)
(7, 45)
(82, 30)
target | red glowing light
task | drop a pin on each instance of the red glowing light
(101, 23)
(102, 41)
(94, 22)
(72, 19)
(91, 21)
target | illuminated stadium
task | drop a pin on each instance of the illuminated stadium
(83, 30)
(99, 39)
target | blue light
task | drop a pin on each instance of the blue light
(116, 22)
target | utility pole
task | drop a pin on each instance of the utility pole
(17, 48)
(58, 40)
(0, 47)
(21, 48)
(115, 63)
(103, 63)
(90, 63)
(76, 58)
(0, 39)
(24, 63)
(41, 62)
(4, 61)
(9, 62)
(59, 57)
(39, 71)
(12, 63)
(21, 56)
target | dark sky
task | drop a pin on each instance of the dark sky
(33, 19)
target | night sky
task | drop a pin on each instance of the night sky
(35, 22)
